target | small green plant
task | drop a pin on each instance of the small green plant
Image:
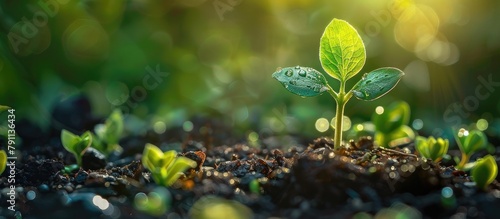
(469, 143)
(109, 133)
(212, 207)
(3, 161)
(391, 124)
(484, 171)
(342, 55)
(76, 144)
(166, 167)
(432, 148)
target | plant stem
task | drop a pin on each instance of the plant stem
(339, 116)
(463, 161)
(341, 100)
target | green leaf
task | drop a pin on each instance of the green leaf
(485, 171)
(69, 140)
(152, 157)
(3, 161)
(377, 83)
(391, 117)
(114, 127)
(84, 143)
(302, 81)
(176, 169)
(475, 141)
(341, 51)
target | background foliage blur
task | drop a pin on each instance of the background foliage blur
(171, 60)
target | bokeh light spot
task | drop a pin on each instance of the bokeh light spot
(417, 124)
(379, 110)
(159, 127)
(345, 120)
(482, 124)
(322, 124)
(187, 126)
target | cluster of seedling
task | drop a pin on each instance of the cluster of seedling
(483, 171)
(165, 168)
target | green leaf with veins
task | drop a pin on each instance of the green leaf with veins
(341, 51)
(302, 81)
(377, 83)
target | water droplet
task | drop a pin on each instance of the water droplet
(289, 73)
(386, 75)
(367, 94)
(302, 72)
(364, 76)
(293, 82)
(323, 89)
(368, 81)
(358, 94)
(297, 67)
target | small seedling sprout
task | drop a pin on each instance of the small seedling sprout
(76, 144)
(342, 55)
(432, 148)
(166, 167)
(109, 133)
(391, 124)
(484, 171)
(469, 143)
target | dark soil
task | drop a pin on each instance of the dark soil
(295, 181)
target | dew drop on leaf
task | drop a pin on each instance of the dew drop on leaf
(293, 82)
(297, 67)
(289, 73)
(358, 94)
(302, 72)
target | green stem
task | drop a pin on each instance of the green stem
(463, 161)
(339, 124)
(341, 100)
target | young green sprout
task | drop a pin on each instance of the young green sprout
(109, 133)
(469, 143)
(391, 124)
(432, 148)
(166, 167)
(485, 171)
(342, 55)
(76, 144)
(3, 161)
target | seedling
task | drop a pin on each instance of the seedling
(485, 171)
(166, 167)
(76, 144)
(342, 55)
(432, 148)
(109, 133)
(3, 161)
(391, 124)
(469, 143)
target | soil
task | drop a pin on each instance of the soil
(295, 180)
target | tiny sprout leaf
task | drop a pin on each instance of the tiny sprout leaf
(302, 81)
(3, 161)
(76, 144)
(377, 83)
(152, 156)
(485, 171)
(341, 50)
(475, 141)
(391, 117)
(432, 148)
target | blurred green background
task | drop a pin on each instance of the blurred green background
(168, 61)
